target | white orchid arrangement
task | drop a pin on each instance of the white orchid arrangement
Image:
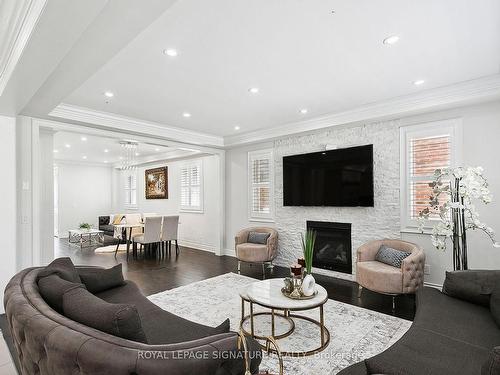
(453, 193)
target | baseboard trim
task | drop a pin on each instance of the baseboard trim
(432, 285)
(229, 252)
(197, 246)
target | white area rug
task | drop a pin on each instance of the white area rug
(111, 249)
(356, 333)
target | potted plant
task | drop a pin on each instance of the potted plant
(451, 204)
(308, 241)
(85, 226)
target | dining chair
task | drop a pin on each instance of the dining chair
(169, 233)
(152, 235)
(134, 219)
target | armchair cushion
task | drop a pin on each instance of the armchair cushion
(258, 237)
(391, 256)
(251, 252)
(379, 277)
(97, 280)
(472, 286)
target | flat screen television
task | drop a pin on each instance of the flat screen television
(340, 178)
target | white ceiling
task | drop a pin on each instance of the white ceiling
(299, 53)
(91, 149)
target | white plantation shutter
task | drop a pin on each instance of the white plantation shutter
(260, 184)
(425, 148)
(130, 190)
(191, 187)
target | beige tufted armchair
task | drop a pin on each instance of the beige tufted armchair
(383, 278)
(256, 253)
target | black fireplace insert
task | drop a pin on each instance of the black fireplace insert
(333, 248)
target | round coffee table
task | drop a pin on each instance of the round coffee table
(267, 293)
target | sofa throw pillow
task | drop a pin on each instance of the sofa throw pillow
(64, 268)
(492, 365)
(52, 289)
(121, 320)
(473, 286)
(117, 219)
(391, 256)
(99, 279)
(258, 237)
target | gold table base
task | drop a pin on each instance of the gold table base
(324, 333)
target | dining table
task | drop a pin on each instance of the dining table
(129, 239)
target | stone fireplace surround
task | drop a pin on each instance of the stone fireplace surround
(368, 223)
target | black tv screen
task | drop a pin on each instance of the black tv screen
(341, 178)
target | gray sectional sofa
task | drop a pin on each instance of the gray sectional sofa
(449, 336)
(48, 342)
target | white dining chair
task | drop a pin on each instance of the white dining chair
(133, 219)
(152, 235)
(169, 233)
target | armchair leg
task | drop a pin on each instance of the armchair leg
(239, 267)
(360, 290)
(263, 270)
(270, 265)
(393, 303)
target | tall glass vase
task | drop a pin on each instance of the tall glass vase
(459, 230)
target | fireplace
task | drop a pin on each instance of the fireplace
(332, 250)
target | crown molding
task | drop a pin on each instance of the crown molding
(20, 20)
(464, 93)
(128, 124)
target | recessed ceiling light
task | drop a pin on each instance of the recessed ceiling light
(83, 139)
(67, 145)
(105, 161)
(106, 150)
(303, 111)
(170, 52)
(186, 114)
(393, 39)
(121, 158)
(56, 151)
(418, 82)
(137, 154)
(236, 127)
(84, 157)
(253, 90)
(157, 149)
(109, 94)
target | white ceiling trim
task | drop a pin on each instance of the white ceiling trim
(129, 124)
(20, 21)
(483, 89)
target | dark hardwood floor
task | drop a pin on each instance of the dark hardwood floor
(156, 275)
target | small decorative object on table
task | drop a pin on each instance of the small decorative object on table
(85, 226)
(308, 283)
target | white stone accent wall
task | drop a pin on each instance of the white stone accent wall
(368, 223)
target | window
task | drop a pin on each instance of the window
(130, 190)
(425, 148)
(191, 187)
(260, 184)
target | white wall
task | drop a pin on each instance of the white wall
(8, 218)
(481, 130)
(85, 193)
(46, 179)
(197, 230)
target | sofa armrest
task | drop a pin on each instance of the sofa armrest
(413, 271)
(272, 245)
(368, 251)
(241, 237)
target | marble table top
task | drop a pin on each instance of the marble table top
(268, 293)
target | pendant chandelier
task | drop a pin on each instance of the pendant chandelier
(129, 151)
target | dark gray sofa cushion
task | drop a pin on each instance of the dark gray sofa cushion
(495, 305)
(160, 326)
(474, 286)
(258, 237)
(461, 320)
(64, 268)
(121, 320)
(52, 289)
(391, 256)
(99, 279)
(492, 365)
